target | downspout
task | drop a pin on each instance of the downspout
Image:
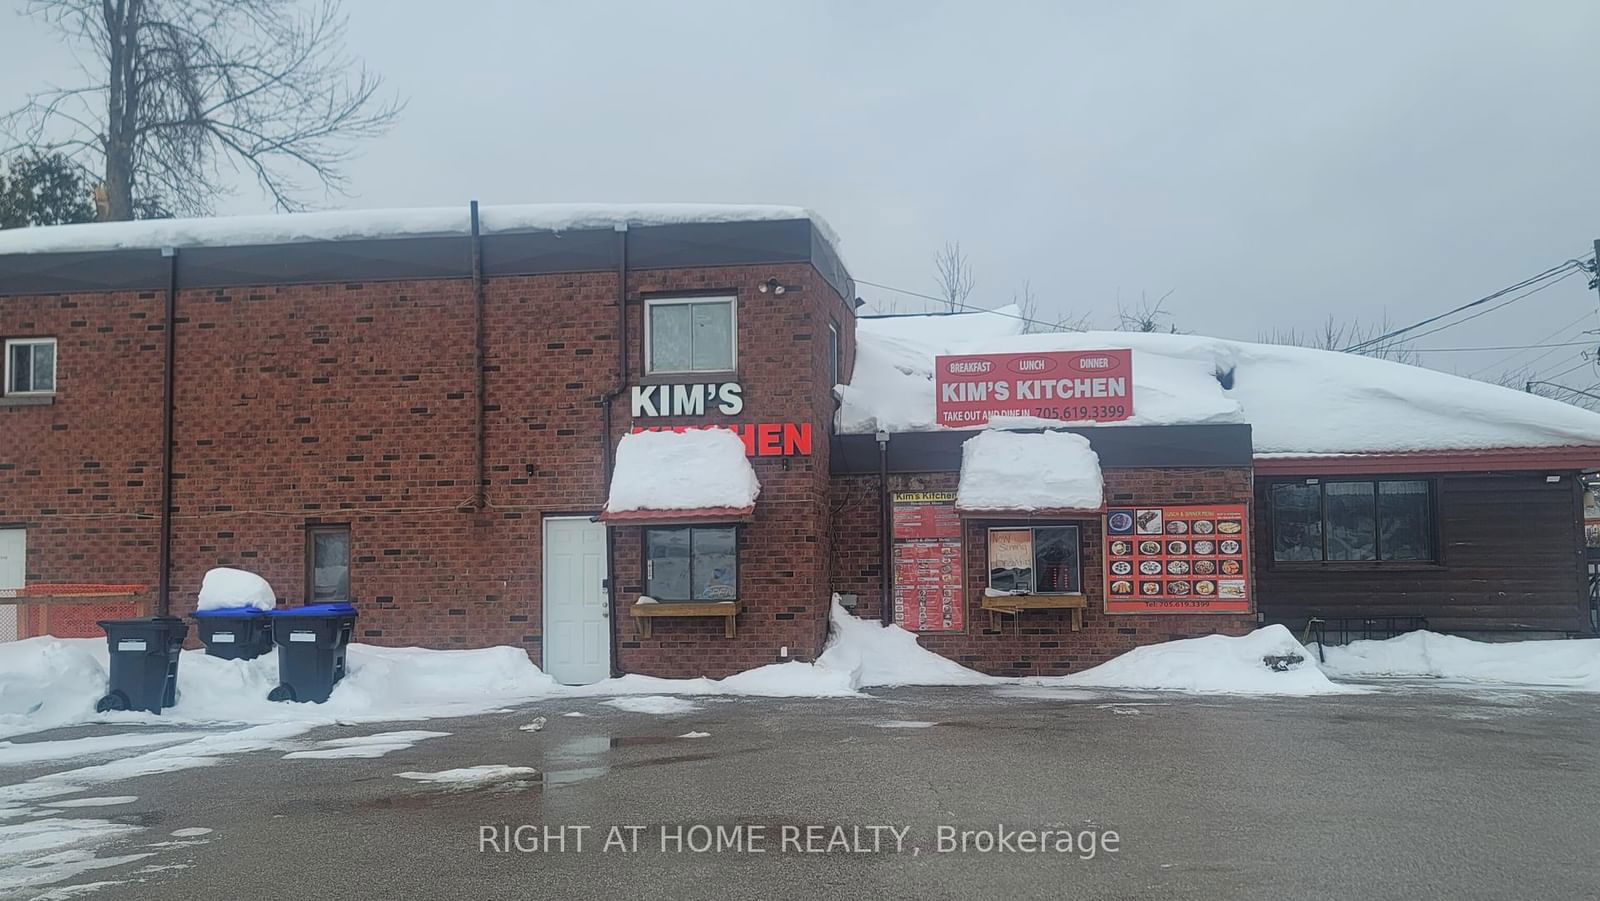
(480, 494)
(169, 367)
(885, 536)
(606, 453)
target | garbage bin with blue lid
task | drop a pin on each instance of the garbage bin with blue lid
(311, 650)
(234, 633)
(144, 662)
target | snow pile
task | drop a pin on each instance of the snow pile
(1297, 400)
(1218, 664)
(473, 776)
(396, 223)
(873, 654)
(1568, 664)
(696, 469)
(660, 705)
(49, 682)
(1029, 471)
(223, 588)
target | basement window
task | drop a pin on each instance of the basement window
(327, 564)
(689, 334)
(30, 366)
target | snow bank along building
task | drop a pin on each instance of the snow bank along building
(486, 431)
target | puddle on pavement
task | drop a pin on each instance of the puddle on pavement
(577, 749)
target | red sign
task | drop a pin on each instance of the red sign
(928, 591)
(1068, 386)
(1186, 559)
(761, 439)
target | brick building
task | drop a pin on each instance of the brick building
(418, 411)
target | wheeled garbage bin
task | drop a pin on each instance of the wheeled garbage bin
(144, 662)
(234, 633)
(311, 650)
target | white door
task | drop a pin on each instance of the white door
(577, 620)
(13, 550)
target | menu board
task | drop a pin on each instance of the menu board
(1185, 559)
(928, 589)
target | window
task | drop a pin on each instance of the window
(30, 366)
(327, 564)
(1344, 521)
(1038, 560)
(833, 356)
(692, 563)
(689, 334)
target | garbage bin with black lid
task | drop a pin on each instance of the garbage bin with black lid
(234, 633)
(311, 650)
(144, 662)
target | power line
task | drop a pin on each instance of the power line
(1581, 363)
(1549, 284)
(966, 306)
(1553, 347)
(1508, 358)
(1568, 266)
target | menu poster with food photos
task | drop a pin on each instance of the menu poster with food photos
(927, 562)
(1189, 559)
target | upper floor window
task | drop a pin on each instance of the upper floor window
(689, 334)
(30, 366)
(1339, 521)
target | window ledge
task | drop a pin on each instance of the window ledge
(27, 400)
(1354, 566)
(688, 378)
(728, 610)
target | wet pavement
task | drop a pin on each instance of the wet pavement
(1410, 791)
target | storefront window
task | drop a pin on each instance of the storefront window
(1296, 522)
(1039, 560)
(690, 335)
(1384, 520)
(692, 563)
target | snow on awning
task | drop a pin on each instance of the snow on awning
(698, 475)
(1030, 473)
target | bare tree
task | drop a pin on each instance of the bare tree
(1336, 335)
(1527, 379)
(178, 94)
(1147, 316)
(954, 274)
(1027, 304)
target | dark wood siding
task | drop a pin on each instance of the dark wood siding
(1511, 558)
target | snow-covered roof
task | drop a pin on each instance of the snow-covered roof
(1297, 400)
(1029, 472)
(293, 228)
(703, 472)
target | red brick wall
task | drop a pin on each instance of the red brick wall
(353, 403)
(1039, 642)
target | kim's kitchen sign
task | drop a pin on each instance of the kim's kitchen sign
(761, 439)
(695, 399)
(1065, 386)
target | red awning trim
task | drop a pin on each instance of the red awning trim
(1492, 459)
(679, 517)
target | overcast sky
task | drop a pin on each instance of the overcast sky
(1270, 163)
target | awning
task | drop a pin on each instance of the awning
(669, 478)
(1029, 474)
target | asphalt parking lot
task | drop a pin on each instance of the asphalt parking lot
(1404, 792)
